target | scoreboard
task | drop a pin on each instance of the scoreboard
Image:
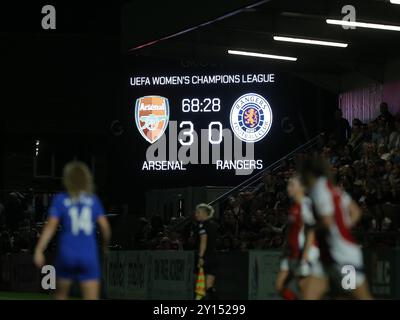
(211, 125)
(191, 120)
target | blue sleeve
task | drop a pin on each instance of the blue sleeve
(98, 209)
(56, 207)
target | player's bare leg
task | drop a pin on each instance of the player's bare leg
(63, 288)
(210, 289)
(362, 292)
(281, 280)
(90, 289)
(302, 284)
(210, 280)
(315, 288)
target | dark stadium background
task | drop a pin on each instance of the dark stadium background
(67, 88)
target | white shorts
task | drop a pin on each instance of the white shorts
(341, 275)
(294, 266)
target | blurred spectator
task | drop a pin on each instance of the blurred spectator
(175, 242)
(341, 128)
(386, 116)
(394, 138)
(13, 210)
(357, 133)
(157, 225)
(164, 244)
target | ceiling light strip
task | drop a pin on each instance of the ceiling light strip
(310, 41)
(261, 55)
(363, 25)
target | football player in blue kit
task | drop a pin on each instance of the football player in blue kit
(77, 211)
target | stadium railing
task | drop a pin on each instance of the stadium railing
(248, 183)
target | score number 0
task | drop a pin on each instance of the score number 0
(189, 133)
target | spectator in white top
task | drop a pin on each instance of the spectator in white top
(394, 138)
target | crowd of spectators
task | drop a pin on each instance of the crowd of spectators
(19, 231)
(365, 161)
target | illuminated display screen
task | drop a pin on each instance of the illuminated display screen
(212, 122)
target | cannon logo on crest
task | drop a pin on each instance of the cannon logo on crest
(152, 116)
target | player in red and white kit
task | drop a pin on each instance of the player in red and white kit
(300, 259)
(336, 213)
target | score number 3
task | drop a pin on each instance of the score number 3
(189, 133)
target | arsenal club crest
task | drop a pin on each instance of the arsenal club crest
(152, 116)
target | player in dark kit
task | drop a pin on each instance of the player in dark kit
(206, 244)
(77, 211)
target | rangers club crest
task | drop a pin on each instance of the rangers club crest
(152, 116)
(251, 117)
